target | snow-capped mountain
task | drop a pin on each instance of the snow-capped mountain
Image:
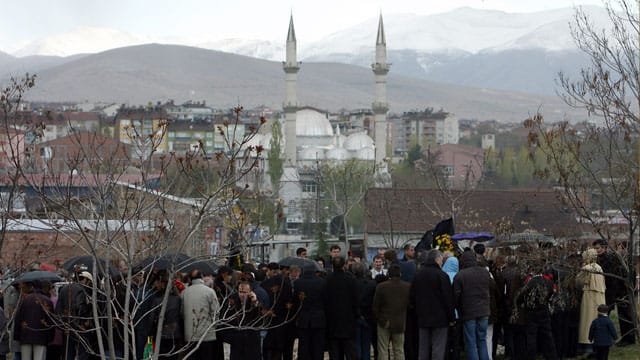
(470, 47)
(260, 49)
(82, 40)
(465, 29)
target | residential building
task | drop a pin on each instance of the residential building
(143, 129)
(462, 164)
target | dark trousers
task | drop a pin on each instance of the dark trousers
(362, 342)
(433, 343)
(454, 339)
(340, 349)
(290, 337)
(54, 352)
(625, 318)
(410, 336)
(205, 351)
(539, 335)
(72, 347)
(245, 344)
(565, 333)
(311, 344)
(601, 352)
(169, 346)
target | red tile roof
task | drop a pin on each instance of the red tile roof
(416, 211)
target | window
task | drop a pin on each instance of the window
(309, 187)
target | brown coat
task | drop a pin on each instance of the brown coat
(390, 304)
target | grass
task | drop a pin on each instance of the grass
(628, 352)
(631, 352)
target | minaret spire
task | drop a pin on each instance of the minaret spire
(291, 67)
(380, 107)
(380, 40)
(291, 35)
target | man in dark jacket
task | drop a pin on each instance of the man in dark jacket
(341, 312)
(74, 309)
(533, 299)
(365, 323)
(616, 293)
(472, 298)
(310, 297)
(245, 318)
(281, 313)
(431, 298)
(390, 304)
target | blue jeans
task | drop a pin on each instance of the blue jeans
(475, 338)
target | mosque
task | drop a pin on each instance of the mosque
(309, 137)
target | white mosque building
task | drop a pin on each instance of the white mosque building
(309, 137)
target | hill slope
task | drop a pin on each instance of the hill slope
(139, 74)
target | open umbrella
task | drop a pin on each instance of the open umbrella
(87, 263)
(177, 262)
(475, 236)
(206, 267)
(468, 239)
(303, 263)
(35, 276)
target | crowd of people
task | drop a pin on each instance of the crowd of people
(435, 305)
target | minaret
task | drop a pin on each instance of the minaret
(380, 106)
(291, 67)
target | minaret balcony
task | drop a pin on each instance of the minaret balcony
(291, 67)
(379, 107)
(380, 68)
(290, 107)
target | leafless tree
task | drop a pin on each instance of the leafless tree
(97, 200)
(596, 164)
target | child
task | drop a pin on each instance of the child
(602, 333)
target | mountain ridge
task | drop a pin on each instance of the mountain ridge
(156, 72)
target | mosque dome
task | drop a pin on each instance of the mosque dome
(358, 141)
(310, 122)
(311, 153)
(337, 154)
(366, 154)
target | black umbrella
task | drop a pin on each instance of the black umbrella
(35, 276)
(303, 263)
(87, 263)
(177, 262)
(206, 267)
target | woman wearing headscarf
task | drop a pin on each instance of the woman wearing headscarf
(451, 266)
(593, 288)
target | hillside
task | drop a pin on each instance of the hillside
(139, 74)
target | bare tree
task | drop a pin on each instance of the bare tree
(345, 185)
(600, 161)
(99, 200)
(455, 188)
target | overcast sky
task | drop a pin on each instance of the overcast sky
(22, 21)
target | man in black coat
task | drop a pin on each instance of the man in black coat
(310, 292)
(473, 301)
(616, 293)
(342, 311)
(75, 311)
(431, 297)
(280, 297)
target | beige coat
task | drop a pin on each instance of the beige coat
(200, 310)
(592, 296)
